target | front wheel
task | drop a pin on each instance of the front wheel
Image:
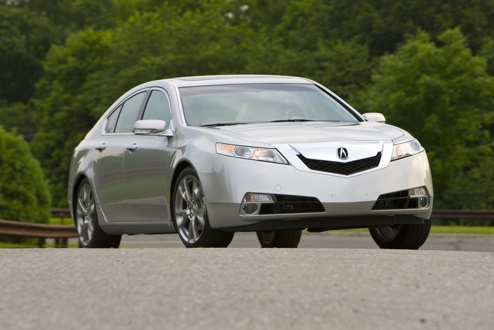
(86, 220)
(401, 236)
(190, 216)
(279, 238)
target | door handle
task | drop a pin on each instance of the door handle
(100, 147)
(132, 147)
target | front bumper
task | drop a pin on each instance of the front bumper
(347, 201)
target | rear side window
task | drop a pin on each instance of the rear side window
(158, 107)
(112, 120)
(128, 114)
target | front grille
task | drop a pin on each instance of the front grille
(342, 168)
(399, 200)
(284, 204)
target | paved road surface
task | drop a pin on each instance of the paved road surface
(328, 239)
(245, 288)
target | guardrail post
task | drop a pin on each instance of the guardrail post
(41, 242)
(61, 242)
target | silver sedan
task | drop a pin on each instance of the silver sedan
(209, 156)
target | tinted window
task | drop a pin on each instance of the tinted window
(128, 114)
(112, 120)
(158, 107)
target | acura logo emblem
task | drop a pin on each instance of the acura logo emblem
(342, 153)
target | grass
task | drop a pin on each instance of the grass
(453, 229)
(49, 244)
(15, 246)
(59, 221)
(478, 230)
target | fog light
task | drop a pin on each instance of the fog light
(249, 208)
(423, 202)
(251, 204)
(421, 195)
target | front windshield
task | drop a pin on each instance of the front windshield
(259, 103)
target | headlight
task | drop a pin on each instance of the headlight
(253, 153)
(406, 149)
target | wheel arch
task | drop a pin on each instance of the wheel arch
(77, 182)
(182, 165)
(178, 169)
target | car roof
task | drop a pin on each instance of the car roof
(234, 79)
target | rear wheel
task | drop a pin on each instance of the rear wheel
(279, 238)
(401, 236)
(190, 215)
(86, 220)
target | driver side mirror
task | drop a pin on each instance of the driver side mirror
(375, 116)
(151, 127)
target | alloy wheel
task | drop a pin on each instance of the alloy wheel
(85, 213)
(190, 209)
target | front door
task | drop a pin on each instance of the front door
(147, 163)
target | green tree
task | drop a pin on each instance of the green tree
(259, 14)
(24, 194)
(384, 24)
(443, 95)
(27, 31)
(97, 14)
(19, 116)
(25, 39)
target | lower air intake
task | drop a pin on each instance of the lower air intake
(401, 200)
(285, 204)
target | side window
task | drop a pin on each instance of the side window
(158, 107)
(129, 112)
(112, 120)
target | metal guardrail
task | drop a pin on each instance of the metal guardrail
(61, 233)
(463, 214)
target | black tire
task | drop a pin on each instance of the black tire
(86, 221)
(279, 238)
(190, 215)
(401, 236)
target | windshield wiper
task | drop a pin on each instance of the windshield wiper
(222, 124)
(300, 120)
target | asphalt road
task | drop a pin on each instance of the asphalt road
(245, 288)
(328, 239)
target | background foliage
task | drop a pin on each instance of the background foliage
(24, 194)
(426, 64)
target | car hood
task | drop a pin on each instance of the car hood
(311, 132)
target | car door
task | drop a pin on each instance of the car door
(147, 166)
(109, 158)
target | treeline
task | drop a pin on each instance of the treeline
(426, 64)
